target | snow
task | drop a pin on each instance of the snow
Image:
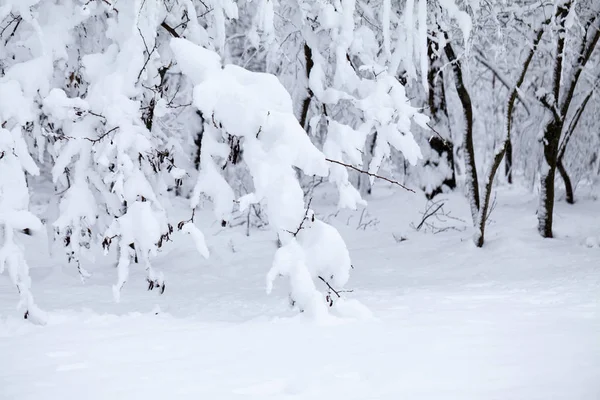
(385, 23)
(343, 144)
(257, 110)
(187, 55)
(13, 103)
(197, 237)
(326, 253)
(408, 47)
(517, 319)
(106, 107)
(462, 18)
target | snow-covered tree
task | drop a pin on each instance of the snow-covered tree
(120, 105)
(103, 96)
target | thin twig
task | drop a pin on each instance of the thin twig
(369, 173)
(148, 51)
(330, 288)
(102, 136)
(96, 114)
(427, 215)
(191, 220)
(437, 133)
(483, 60)
(19, 20)
(303, 219)
(169, 29)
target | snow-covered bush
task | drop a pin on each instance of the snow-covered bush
(256, 110)
(14, 215)
(119, 105)
(97, 97)
(348, 88)
(85, 90)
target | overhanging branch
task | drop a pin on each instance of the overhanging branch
(370, 174)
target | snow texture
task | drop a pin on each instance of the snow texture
(446, 319)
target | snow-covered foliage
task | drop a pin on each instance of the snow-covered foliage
(257, 111)
(14, 215)
(85, 90)
(101, 93)
(118, 106)
(352, 89)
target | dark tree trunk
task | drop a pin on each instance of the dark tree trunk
(506, 146)
(309, 95)
(552, 131)
(560, 109)
(546, 207)
(508, 162)
(472, 183)
(568, 186)
(198, 141)
(570, 195)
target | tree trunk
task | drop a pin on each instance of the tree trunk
(506, 145)
(570, 197)
(568, 186)
(553, 129)
(471, 181)
(198, 141)
(546, 206)
(508, 164)
(309, 94)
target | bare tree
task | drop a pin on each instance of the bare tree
(504, 148)
(569, 193)
(559, 107)
(471, 181)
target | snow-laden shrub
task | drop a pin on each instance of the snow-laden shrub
(103, 99)
(256, 109)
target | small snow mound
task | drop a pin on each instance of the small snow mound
(592, 242)
(351, 308)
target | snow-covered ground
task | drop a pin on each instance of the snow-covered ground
(518, 319)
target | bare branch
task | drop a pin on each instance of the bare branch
(337, 292)
(369, 173)
(428, 215)
(563, 146)
(303, 219)
(485, 62)
(148, 51)
(18, 19)
(102, 136)
(437, 133)
(169, 29)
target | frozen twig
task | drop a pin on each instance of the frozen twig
(364, 224)
(437, 133)
(18, 21)
(429, 214)
(434, 211)
(337, 292)
(370, 174)
(303, 219)
(169, 29)
(102, 136)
